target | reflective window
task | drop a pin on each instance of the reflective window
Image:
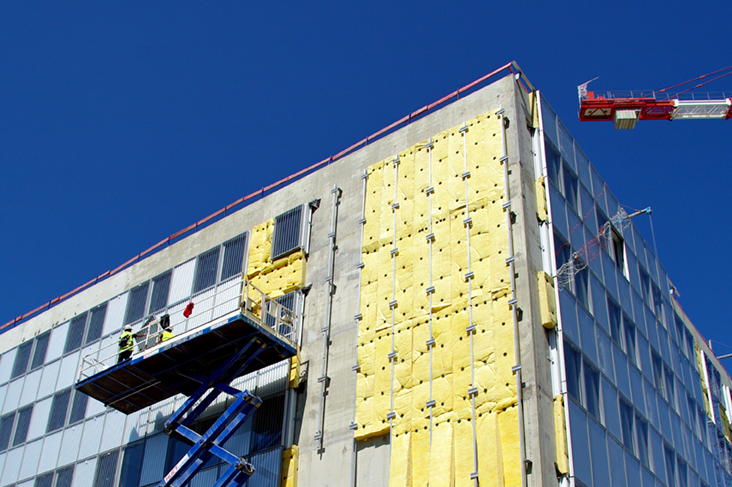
(6, 430)
(160, 290)
(64, 476)
(571, 189)
(132, 465)
(78, 408)
(670, 465)
(106, 469)
(45, 480)
(96, 323)
(75, 335)
(572, 360)
(616, 325)
(592, 391)
(267, 428)
(59, 406)
(206, 268)
(641, 428)
(136, 303)
(287, 232)
(21, 428)
(629, 329)
(626, 420)
(39, 352)
(233, 256)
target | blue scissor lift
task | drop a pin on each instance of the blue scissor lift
(200, 364)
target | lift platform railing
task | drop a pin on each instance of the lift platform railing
(237, 294)
(656, 95)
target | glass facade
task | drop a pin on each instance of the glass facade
(636, 408)
(54, 436)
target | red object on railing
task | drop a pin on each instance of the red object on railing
(188, 310)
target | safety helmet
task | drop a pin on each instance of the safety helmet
(128, 327)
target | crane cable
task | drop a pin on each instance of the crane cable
(698, 78)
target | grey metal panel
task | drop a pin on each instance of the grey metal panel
(12, 397)
(29, 466)
(93, 407)
(182, 281)
(49, 377)
(267, 465)
(114, 426)
(27, 483)
(91, 436)
(159, 413)
(6, 365)
(57, 342)
(30, 388)
(12, 466)
(2, 462)
(273, 378)
(135, 426)
(39, 420)
(154, 461)
(115, 314)
(69, 371)
(49, 453)
(70, 444)
(84, 473)
(205, 477)
(227, 297)
(3, 392)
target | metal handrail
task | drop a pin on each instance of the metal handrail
(660, 96)
(248, 300)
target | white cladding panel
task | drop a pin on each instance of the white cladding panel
(69, 370)
(30, 388)
(70, 444)
(39, 420)
(114, 426)
(12, 397)
(49, 453)
(49, 377)
(91, 437)
(12, 466)
(84, 473)
(56, 342)
(29, 467)
(182, 281)
(6, 365)
(154, 461)
(115, 314)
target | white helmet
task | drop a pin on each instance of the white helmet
(128, 327)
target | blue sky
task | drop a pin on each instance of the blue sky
(122, 123)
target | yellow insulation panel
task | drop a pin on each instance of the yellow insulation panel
(294, 381)
(547, 302)
(542, 209)
(290, 461)
(560, 434)
(405, 277)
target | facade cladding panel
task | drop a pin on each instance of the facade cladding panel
(479, 231)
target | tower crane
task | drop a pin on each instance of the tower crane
(625, 108)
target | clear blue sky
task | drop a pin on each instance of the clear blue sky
(124, 122)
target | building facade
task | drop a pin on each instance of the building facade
(473, 307)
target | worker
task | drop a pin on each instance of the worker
(126, 344)
(166, 335)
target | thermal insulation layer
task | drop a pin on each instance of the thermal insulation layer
(290, 461)
(468, 182)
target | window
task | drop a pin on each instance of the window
(617, 250)
(136, 303)
(670, 465)
(573, 369)
(287, 232)
(96, 323)
(206, 269)
(646, 287)
(6, 430)
(626, 421)
(64, 476)
(161, 287)
(592, 390)
(132, 465)
(76, 333)
(21, 428)
(267, 428)
(176, 450)
(39, 353)
(629, 329)
(59, 407)
(658, 373)
(106, 469)
(78, 408)
(553, 165)
(641, 427)
(21, 359)
(45, 480)
(683, 472)
(657, 306)
(670, 387)
(233, 256)
(581, 285)
(571, 187)
(616, 325)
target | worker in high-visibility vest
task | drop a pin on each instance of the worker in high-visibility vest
(126, 344)
(166, 335)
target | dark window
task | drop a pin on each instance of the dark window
(6, 430)
(78, 408)
(39, 354)
(617, 251)
(570, 189)
(21, 429)
(642, 432)
(682, 471)
(626, 420)
(136, 303)
(573, 367)
(96, 323)
(657, 308)
(106, 469)
(646, 287)
(670, 465)
(132, 465)
(267, 428)
(59, 406)
(658, 373)
(45, 480)
(616, 325)
(76, 333)
(176, 450)
(592, 391)
(161, 286)
(670, 387)
(21, 359)
(206, 269)
(553, 164)
(629, 329)
(233, 256)
(287, 231)
(64, 476)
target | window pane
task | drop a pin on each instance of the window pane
(642, 433)
(670, 465)
(78, 408)
(570, 189)
(592, 391)
(615, 323)
(287, 232)
(96, 323)
(161, 287)
(131, 466)
(39, 354)
(626, 419)
(21, 359)
(267, 429)
(206, 268)
(136, 303)
(76, 333)
(6, 429)
(176, 450)
(59, 406)
(106, 469)
(233, 256)
(44, 480)
(573, 369)
(21, 429)
(65, 476)
(629, 329)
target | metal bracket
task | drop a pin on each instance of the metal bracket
(429, 190)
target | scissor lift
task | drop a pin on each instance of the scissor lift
(201, 364)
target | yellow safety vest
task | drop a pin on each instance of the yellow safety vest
(125, 341)
(166, 336)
